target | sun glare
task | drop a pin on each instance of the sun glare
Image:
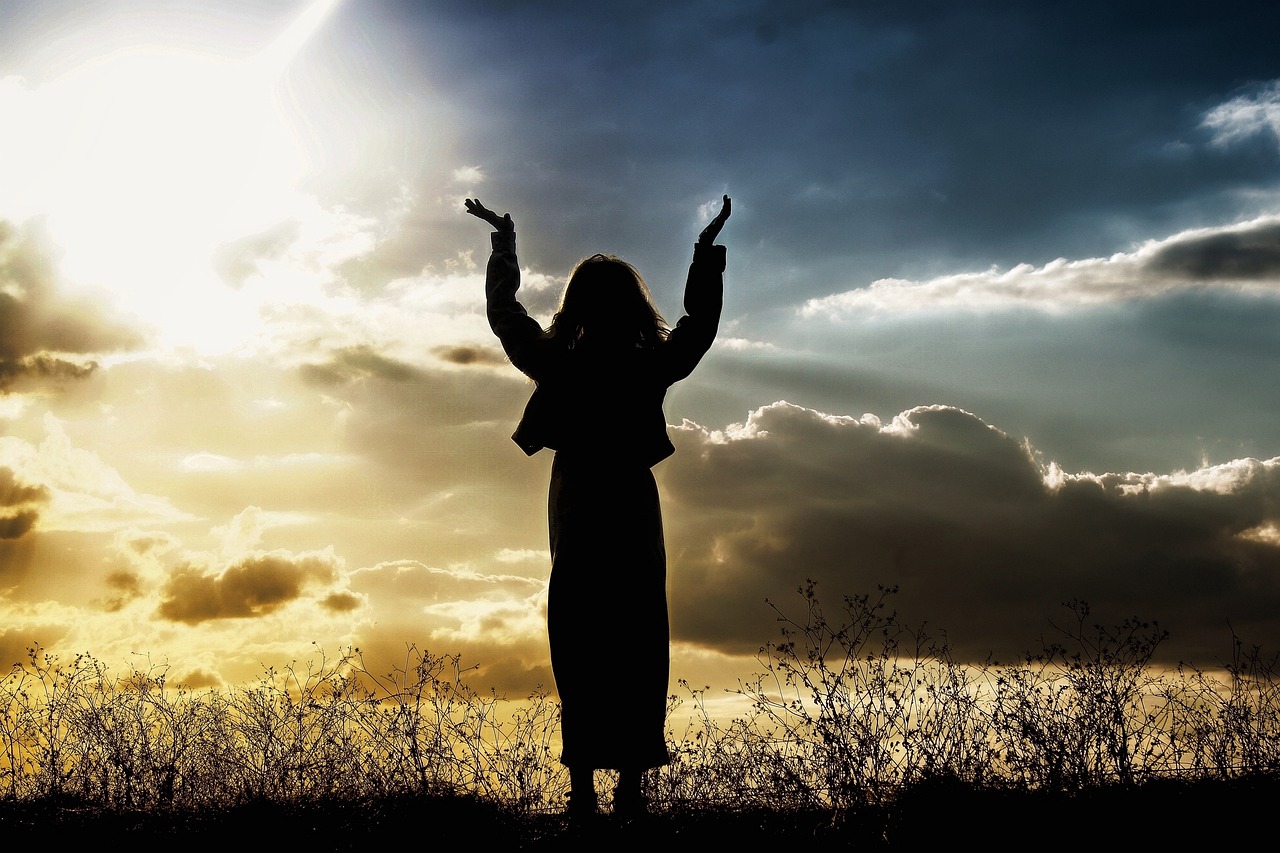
(143, 160)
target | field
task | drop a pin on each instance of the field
(1157, 815)
(862, 734)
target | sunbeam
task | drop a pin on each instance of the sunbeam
(144, 160)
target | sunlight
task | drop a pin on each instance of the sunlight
(142, 161)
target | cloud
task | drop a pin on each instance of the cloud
(43, 366)
(1246, 115)
(467, 355)
(16, 524)
(144, 552)
(408, 415)
(341, 602)
(1241, 257)
(125, 586)
(84, 493)
(411, 580)
(43, 334)
(982, 538)
(471, 622)
(252, 586)
(511, 555)
(1249, 252)
(745, 344)
(493, 618)
(19, 505)
(358, 362)
(236, 260)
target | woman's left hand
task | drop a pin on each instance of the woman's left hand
(712, 230)
(500, 223)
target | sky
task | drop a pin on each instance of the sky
(1001, 327)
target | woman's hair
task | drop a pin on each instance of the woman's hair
(606, 295)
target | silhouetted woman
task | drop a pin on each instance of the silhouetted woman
(601, 371)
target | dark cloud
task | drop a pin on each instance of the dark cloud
(43, 366)
(14, 492)
(470, 355)
(1247, 253)
(126, 586)
(356, 363)
(15, 525)
(141, 543)
(341, 602)
(41, 331)
(19, 504)
(254, 586)
(959, 516)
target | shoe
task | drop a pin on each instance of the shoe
(630, 805)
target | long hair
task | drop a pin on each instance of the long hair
(606, 298)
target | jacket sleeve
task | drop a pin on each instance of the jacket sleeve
(703, 300)
(518, 332)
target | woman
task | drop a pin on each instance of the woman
(601, 371)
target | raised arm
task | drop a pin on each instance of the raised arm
(519, 333)
(704, 289)
(703, 298)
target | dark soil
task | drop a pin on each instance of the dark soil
(1170, 815)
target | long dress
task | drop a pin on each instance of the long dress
(607, 612)
(601, 412)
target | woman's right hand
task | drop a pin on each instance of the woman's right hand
(500, 223)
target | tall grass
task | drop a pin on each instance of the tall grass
(846, 713)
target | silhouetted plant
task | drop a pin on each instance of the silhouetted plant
(742, 763)
(1079, 713)
(876, 705)
(72, 730)
(1225, 726)
(1250, 740)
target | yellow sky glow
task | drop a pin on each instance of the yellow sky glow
(144, 160)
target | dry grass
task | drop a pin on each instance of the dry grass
(861, 733)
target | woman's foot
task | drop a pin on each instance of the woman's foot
(583, 802)
(629, 801)
(583, 805)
